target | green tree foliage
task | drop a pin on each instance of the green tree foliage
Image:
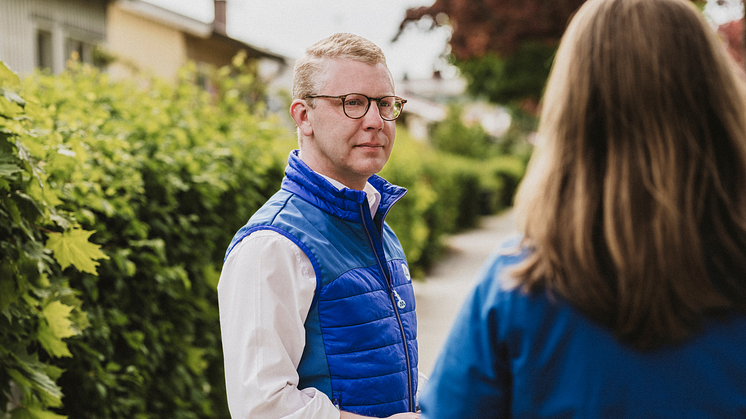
(453, 136)
(518, 78)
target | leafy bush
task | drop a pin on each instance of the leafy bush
(453, 136)
(39, 307)
(406, 167)
(447, 193)
(165, 175)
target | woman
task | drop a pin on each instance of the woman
(626, 296)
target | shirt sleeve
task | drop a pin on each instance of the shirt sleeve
(264, 294)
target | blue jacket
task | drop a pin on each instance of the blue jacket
(512, 355)
(361, 347)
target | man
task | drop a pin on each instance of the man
(316, 302)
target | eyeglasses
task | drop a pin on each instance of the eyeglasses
(356, 105)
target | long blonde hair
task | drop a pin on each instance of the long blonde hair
(634, 203)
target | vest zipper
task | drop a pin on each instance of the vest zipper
(395, 300)
(336, 400)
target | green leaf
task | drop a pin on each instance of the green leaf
(57, 315)
(34, 413)
(7, 169)
(8, 77)
(8, 108)
(51, 342)
(10, 206)
(211, 276)
(73, 248)
(8, 292)
(21, 413)
(13, 97)
(34, 375)
(196, 361)
(78, 316)
(44, 414)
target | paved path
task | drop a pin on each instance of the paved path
(441, 294)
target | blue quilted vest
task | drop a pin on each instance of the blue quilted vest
(361, 331)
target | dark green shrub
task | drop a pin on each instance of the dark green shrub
(447, 193)
(406, 168)
(38, 238)
(165, 175)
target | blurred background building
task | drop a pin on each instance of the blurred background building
(125, 36)
(130, 37)
(44, 33)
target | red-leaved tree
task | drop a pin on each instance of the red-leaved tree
(499, 26)
(504, 48)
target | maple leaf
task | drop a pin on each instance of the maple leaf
(58, 317)
(73, 248)
(51, 343)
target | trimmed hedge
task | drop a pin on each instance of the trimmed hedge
(447, 194)
(150, 180)
(164, 175)
(39, 307)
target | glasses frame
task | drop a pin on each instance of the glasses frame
(367, 108)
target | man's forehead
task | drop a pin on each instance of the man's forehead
(350, 73)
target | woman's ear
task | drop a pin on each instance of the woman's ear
(299, 111)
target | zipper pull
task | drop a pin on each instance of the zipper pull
(399, 301)
(336, 400)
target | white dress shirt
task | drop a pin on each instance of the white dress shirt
(264, 293)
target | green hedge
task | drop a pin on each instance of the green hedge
(39, 307)
(164, 175)
(447, 194)
(118, 199)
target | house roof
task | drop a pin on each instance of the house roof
(190, 26)
(167, 17)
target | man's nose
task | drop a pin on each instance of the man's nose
(373, 118)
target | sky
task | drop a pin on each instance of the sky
(288, 27)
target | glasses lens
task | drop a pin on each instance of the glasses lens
(355, 105)
(390, 107)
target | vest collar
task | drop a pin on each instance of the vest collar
(343, 203)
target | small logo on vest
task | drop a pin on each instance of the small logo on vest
(399, 301)
(406, 272)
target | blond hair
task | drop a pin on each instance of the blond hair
(635, 201)
(309, 69)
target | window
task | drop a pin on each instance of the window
(44, 54)
(84, 50)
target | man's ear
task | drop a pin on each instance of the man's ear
(299, 111)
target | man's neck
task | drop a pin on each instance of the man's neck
(358, 185)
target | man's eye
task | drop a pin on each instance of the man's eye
(385, 103)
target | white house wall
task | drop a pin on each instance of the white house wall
(83, 20)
